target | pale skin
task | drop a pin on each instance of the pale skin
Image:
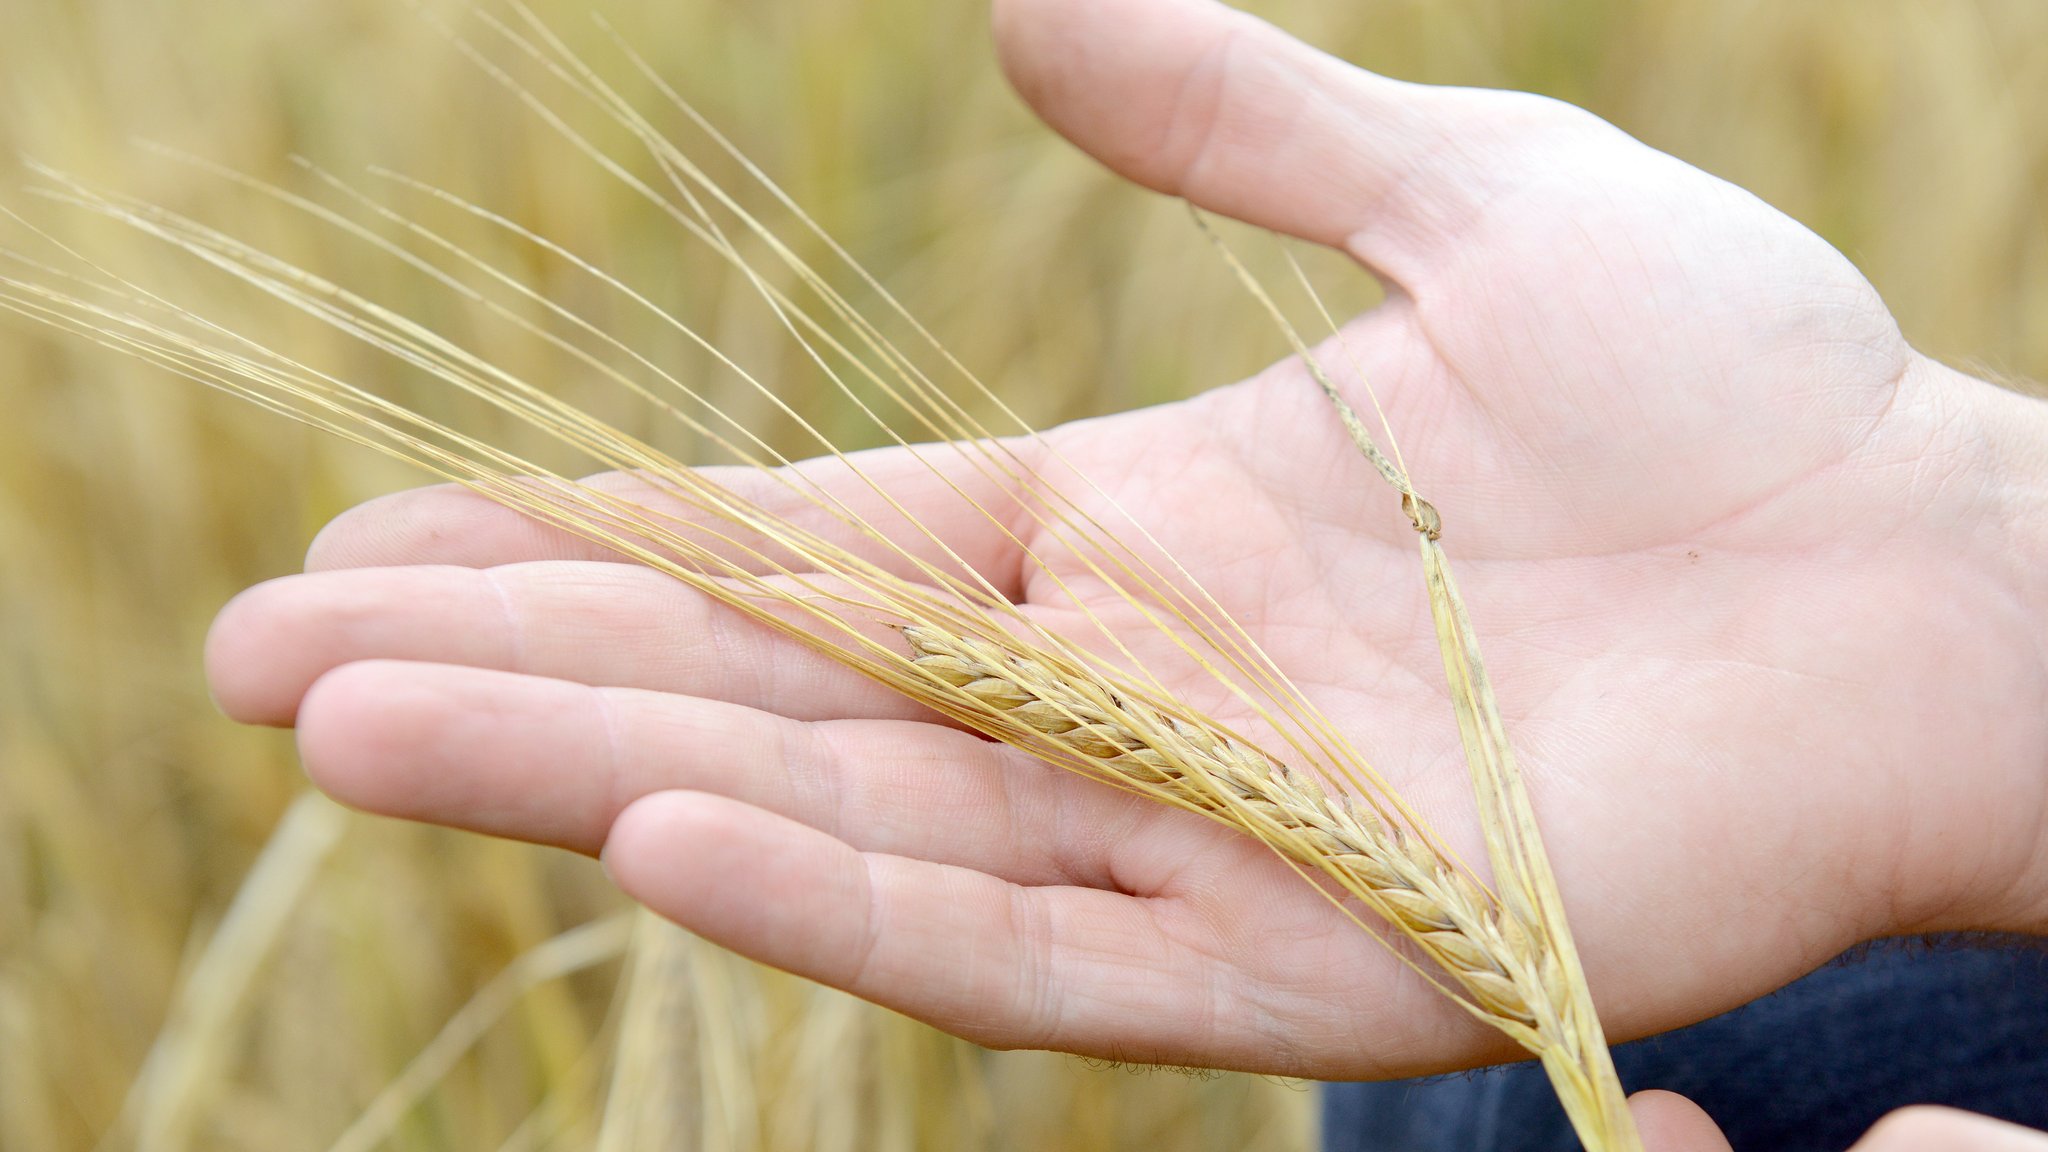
(1755, 578)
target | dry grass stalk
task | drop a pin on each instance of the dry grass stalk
(584, 946)
(651, 1103)
(930, 628)
(169, 1093)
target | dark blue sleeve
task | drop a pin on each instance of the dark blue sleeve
(1961, 1021)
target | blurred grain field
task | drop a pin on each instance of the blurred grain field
(193, 954)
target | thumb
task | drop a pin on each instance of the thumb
(1195, 99)
(1671, 1123)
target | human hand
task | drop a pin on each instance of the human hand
(1671, 1123)
(1740, 557)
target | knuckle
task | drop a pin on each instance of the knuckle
(1034, 1016)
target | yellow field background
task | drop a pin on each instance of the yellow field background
(194, 955)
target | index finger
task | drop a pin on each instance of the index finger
(957, 507)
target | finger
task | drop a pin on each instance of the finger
(554, 763)
(948, 510)
(617, 625)
(1011, 967)
(1669, 1122)
(1929, 1129)
(1198, 100)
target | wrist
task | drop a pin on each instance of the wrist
(1991, 872)
(2015, 452)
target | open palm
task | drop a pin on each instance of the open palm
(1731, 543)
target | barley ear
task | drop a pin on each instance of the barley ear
(1570, 1044)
